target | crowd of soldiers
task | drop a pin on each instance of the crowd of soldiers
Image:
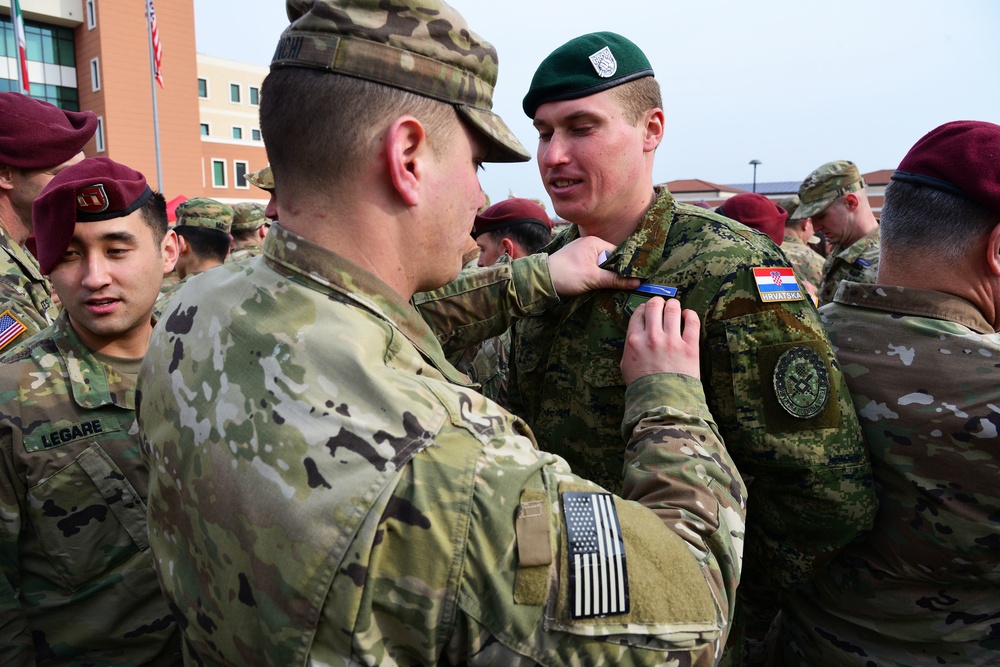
(336, 440)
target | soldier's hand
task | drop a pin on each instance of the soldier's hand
(655, 342)
(574, 268)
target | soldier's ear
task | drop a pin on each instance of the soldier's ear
(406, 151)
(993, 251)
(6, 177)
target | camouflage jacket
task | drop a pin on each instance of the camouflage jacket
(924, 587)
(808, 263)
(857, 263)
(24, 292)
(77, 584)
(243, 252)
(325, 488)
(166, 294)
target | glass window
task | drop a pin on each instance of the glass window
(237, 133)
(234, 92)
(99, 134)
(204, 129)
(240, 172)
(91, 15)
(95, 74)
(254, 95)
(203, 89)
(255, 135)
(219, 173)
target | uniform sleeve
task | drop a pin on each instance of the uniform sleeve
(22, 301)
(482, 303)
(16, 646)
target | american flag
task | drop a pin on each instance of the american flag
(10, 328)
(598, 576)
(157, 49)
(22, 55)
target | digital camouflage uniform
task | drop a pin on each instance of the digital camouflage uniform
(924, 587)
(857, 263)
(808, 263)
(77, 585)
(323, 488)
(24, 291)
(809, 477)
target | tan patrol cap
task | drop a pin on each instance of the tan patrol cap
(262, 178)
(421, 46)
(827, 183)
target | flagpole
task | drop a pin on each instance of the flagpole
(156, 115)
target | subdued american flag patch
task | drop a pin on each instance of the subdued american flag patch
(598, 578)
(10, 328)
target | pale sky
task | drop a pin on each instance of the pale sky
(791, 83)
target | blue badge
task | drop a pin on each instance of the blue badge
(657, 290)
(862, 262)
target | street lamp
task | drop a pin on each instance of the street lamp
(755, 163)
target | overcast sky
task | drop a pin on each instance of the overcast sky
(793, 84)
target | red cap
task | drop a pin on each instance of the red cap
(38, 135)
(961, 157)
(97, 188)
(757, 212)
(508, 213)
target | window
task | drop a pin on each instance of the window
(219, 173)
(234, 93)
(204, 129)
(203, 88)
(99, 135)
(254, 95)
(255, 134)
(237, 132)
(95, 74)
(240, 174)
(91, 15)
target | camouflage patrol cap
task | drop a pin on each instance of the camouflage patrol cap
(584, 66)
(827, 183)
(205, 213)
(247, 216)
(421, 46)
(262, 178)
(790, 204)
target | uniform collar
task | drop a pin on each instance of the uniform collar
(327, 272)
(913, 301)
(25, 260)
(94, 384)
(856, 249)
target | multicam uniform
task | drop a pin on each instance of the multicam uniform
(800, 449)
(857, 263)
(24, 291)
(337, 496)
(923, 588)
(244, 252)
(77, 584)
(808, 263)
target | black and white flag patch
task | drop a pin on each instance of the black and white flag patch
(598, 577)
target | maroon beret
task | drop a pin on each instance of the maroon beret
(508, 213)
(757, 212)
(97, 188)
(38, 135)
(961, 157)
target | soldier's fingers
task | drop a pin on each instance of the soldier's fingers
(672, 318)
(692, 328)
(654, 316)
(637, 323)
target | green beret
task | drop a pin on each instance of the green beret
(584, 66)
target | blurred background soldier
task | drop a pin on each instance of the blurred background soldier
(808, 263)
(248, 230)
(77, 584)
(37, 141)
(922, 349)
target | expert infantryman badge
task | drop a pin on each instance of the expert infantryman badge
(604, 63)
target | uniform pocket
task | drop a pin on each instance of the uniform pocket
(88, 517)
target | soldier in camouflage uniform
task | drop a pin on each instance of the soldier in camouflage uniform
(327, 489)
(77, 584)
(202, 230)
(808, 263)
(920, 352)
(248, 230)
(834, 197)
(37, 140)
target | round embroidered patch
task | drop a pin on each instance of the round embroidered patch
(801, 382)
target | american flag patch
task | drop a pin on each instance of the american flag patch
(598, 579)
(10, 328)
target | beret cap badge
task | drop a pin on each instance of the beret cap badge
(604, 63)
(92, 199)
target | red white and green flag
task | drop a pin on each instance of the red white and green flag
(22, 45)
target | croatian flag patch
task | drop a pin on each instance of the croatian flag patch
(777, 284)
(598, 579)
